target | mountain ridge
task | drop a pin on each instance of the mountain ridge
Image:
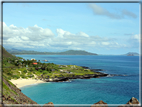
(69, 52)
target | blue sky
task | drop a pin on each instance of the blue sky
(102, 28)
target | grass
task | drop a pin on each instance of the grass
(13, 73)
(7, 88)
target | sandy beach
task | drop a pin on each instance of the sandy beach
(23, 82)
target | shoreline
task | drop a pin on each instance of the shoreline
(19, 83)
(68, 78)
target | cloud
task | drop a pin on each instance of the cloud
(37, 37)
(81, 40)
(136, 38)
(105, 43)
(128, 13)
(32, 33)
(129, 34)
(26, 37)
(83, 34)
(134, 41)
(101, 11)
(98, 10)
(44, 20)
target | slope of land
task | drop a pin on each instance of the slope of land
(13, 95)
(69, 52)
(5, 53)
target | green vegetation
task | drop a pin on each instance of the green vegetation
(7, 90)
(15, 68)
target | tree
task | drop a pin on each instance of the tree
(25, 71)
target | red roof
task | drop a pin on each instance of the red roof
(35, 63)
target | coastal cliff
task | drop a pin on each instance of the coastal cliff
(13, 95)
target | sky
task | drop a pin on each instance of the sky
(102, 28)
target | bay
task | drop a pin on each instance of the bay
(111, 89)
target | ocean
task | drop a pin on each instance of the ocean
(111, 89)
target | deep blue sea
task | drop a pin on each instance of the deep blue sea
(111, 89)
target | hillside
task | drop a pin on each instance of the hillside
(11, 94)
(69, 52)
(5, 53)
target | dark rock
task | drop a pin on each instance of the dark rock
(49, 104)
(95, 70)
(133, 102)
(87, 76)
(100, 104)
(85, 67)
(61, 79)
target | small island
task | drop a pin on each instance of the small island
(131, 54)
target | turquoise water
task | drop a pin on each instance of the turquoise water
(112, 90)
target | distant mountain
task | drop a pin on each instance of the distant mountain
(5, 53)
(69, 52)
(76, 52)
(132, 54)
(14, 50)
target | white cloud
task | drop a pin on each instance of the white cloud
(12, 26)
(34, 33)
(136, 37)
(61, 33)
(82, 34)
(105, 43)
(24, 38)
(38, 37)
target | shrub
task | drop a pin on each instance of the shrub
(25, 71)
(10, 73)
(23, 76)
(31, 69)
(49, 71)
(30, 76)
(9, 78)
(34, 72)
(40, 70)
(15, 76)
(44, 72)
